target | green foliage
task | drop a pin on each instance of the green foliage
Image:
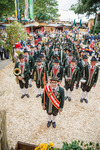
(79, 145)
(15, 33)
(45, 9)
(86, 6)
(7, 7)
(95, 29)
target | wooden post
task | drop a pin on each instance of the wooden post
(3, 131)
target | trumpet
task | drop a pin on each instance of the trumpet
(17, 72)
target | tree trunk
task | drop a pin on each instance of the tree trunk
(3, 131)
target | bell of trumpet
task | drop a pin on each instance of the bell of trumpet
(17, 71)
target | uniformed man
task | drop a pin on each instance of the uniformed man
(40, 76)
(91, 79)
(23, 76)
(53, 101)
(81, 64)
(68, 59)
(71, 77)
(32, 52)
(30, 60)
(56, 70)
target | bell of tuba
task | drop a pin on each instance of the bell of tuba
(17, 72)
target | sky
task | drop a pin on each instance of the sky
(68, 15)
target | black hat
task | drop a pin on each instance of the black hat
(73, 59)
(35, 46)
(41, 56)
(25, 50)
(42, 51)
(55, 78)
(56, 60)
(47, 43)
(81, 51)
(67, 49)
(70, 54)
(39, 60)
(93, 59)
(21, 56)
(85, 57)
(39, 43)
(31, 46)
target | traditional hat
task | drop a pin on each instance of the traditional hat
(31, 46)
(70, 54)
(93, 59)
(85, 57)
(55, 78)
(39, 60)
(25, 50)
(81, 51)
(41, 56)
(73, 59)
(56, 60)
(21, 56)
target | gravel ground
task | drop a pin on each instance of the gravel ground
(26, 121)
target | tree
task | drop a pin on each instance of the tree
(15, 33)
(86, 6)
(45, 9)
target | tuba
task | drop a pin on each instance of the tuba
(17, 72)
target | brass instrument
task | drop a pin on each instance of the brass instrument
(17, 72)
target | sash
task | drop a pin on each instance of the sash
(52, 97)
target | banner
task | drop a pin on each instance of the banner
(26, 9)
(16, 9)
(31, 9)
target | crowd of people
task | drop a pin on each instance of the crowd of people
(52, 58)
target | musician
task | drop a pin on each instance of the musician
(23, 76)
(91, 80)
(33, 53)
(56, 70)
(53, 101)
(38, 76)
(68, 59)
(71, 77)
(81, 64)
(30, 60)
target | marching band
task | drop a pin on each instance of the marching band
(49, 62)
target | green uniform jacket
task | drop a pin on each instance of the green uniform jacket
(59, 72)
(35, 75)
(94, 77)
(82, 67)
(30, 61)
(25, 74)
(60, 97)
(75, 75)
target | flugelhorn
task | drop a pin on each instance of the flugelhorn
(17, 72)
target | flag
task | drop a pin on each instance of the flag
(17, 9)
(26, 9)
(31, 9)
(74, 23)
(80, 22)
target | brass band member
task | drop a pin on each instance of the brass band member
(23, 76)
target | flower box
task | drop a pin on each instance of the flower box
(24, 146)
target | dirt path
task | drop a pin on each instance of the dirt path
(26, 121)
